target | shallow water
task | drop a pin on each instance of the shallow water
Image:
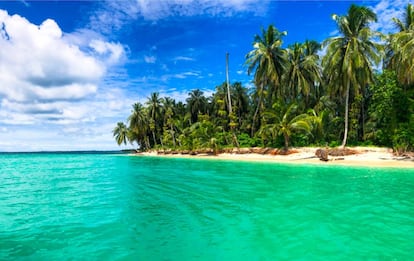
(112, 207)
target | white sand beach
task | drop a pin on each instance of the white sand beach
(365, 156)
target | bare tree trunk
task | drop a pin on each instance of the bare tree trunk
(173, 136)
(257, 109)
(162, 144)
(235, 139)
(153, 137)
(147, 144)
(346, 116)
(228, 83)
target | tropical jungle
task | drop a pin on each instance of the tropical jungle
(356, 88)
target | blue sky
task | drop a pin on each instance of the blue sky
(69, 71)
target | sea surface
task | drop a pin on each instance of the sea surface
(58, 206)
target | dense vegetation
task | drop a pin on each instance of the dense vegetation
(359, 92)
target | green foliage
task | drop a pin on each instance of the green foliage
(403, 138)
(246, 141)
(298, 97)
(388, 108)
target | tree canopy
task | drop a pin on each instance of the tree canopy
(301, 95)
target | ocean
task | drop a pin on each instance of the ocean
(92, 206)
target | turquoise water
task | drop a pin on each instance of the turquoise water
(114, 207)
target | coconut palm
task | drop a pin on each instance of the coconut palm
(154, 111)
(284, 120)
(120, 133)
(351, 56)
(168, 105)
(196, 103)
(267, 60)
(241, 102)
(303, 71)
(138, 125)
(402, 47)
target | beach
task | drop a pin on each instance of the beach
(364, 156)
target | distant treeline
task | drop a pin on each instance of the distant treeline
(299, 98)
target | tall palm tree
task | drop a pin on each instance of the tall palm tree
(138, 125)
(304, 71)
(154, 110)
(241, 102)
(351, 56)
(168, 105)
(120, 133)
(402, 47)
(267, 60)
(196, 103)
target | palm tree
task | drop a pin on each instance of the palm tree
(168, 105)
(196, 103)
(283, 120)
(350, 57)
(120, 133)
(241, 102)
(138, 124)
(267, 60)
(303, 72)
(402, 47)
(154, 111)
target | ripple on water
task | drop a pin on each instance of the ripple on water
(58, 206)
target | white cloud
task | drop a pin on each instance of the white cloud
(183, 58)
(150, 58)
(52, 81)
(386, 10)
(44, 73)
(182, 75)
(115, 14)
(109, 52)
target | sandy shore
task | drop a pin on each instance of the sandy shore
(366, 156)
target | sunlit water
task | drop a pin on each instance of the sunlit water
(114, 207)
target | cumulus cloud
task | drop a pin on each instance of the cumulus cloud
(45, 72)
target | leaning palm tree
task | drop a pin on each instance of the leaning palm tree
(402, 47)
(267, 60)
(351, 56)
(120, 133)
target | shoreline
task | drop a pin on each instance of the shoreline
(363, 157)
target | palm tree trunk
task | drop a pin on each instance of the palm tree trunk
(346, 116)
(235, 141)
(172, 134)
(147, 143)
(162, 144)
(228, 83)
(286, 142)
(153, 137)
(257, 109)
